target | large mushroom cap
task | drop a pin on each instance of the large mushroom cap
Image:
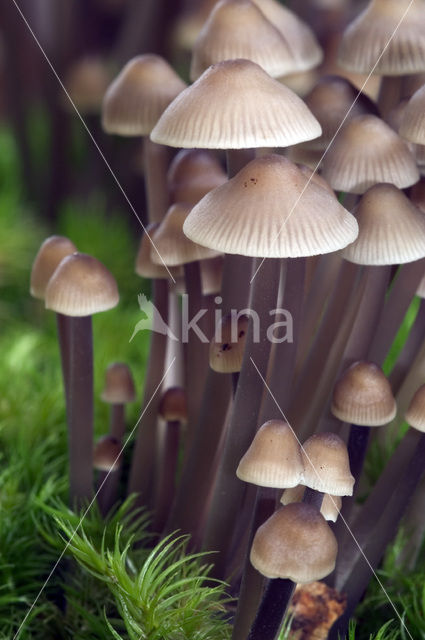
(271, 209)
(221, 110)
(295, 543)
(81, 286)
(52, 251)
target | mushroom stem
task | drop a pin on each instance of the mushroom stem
(80, 410)
(167, 480)
(389, 94)
(156, 160)
(109, 481)
(117, 421)
(63, 328)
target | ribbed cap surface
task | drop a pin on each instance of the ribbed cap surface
(222, 110)
(81, 286)
(413, 120)
(295, 543)
(267, 210)
(415, 414)
(326, 463)
(366, 152)
(363, 396)
(138, 96)
(119, 385)
(374, 32)
(50, 254)
(274, 457)
(391, 228)
(228, 344)
(192, 174)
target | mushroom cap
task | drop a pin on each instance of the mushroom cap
(391, 228)
(86, 83)
(192, 174)
(270, 208)
(221, 110)
(274, 457)
(295, 543)
(363, 396)
(173, 405)
(239, 29)
(119, 384)
(327, 468)
(172, 246)
(227, 346)
(145, 267)
(107, 454)
(49, 255)
(415, 414)
(375, 31)
(413, 119)
(331, 505)
(353, 164)
(139, 94)
(81, 286)
(305, 49)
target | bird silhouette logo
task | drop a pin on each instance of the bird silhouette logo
(153, 320)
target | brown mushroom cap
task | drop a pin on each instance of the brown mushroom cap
(145, 267)
(413, 119)
(119, 384)
(192, 174)
(107, 454)
(363, 396)
(86, 83)
(329, 509)
(228, 344)
(173, 405)
(274, 457)
(366, 152)
(221, 110)
(295, 543)
(81, 286)
(327, 468)
(270, 208)
(139, 94)
(415, 414)
(50, 254)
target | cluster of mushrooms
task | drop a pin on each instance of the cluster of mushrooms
(337, 241)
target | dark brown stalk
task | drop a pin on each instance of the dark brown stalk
(229, 489)
(167, 480)
(156, 161)
(80, 411)
(109, 481)
(410, 349)
(389, 94)
(63, 329)
(143, 455)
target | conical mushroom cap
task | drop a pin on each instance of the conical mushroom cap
(173, 247)
(295, 543)
(238, 29)
(413, 121)
(221, 110)
(330, 508)
(374, 32)
(119, 384)
(415, 414)
(173, 405)
(81, 286)
(107, 454)
(50, 254)
(139, 94)
(326, 464)
(192, 174)
(145, 267)
(363, 396)
(391, 228)
(306, 51)
(271, 209)
(366, 152)
(274, 457)
(228, 344)
(86, 83)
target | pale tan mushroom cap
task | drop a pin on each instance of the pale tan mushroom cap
(391, 229)
(227, 346)
(413, 121)
(145, 267)
(295, 543)
(374, 32)
(238, 29)
(305, 49)
(363, 396)
(173, 405)
(366, 152)
(173, 247)
(330, 508)
(86, 83)
(274, 457)
(81, 286)
(106, 455)
(270, 209)
(192, 174)
(327, 468)
(415, 414)
(50, 254)
(119, 384)
(138, 96)
(222, 110)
